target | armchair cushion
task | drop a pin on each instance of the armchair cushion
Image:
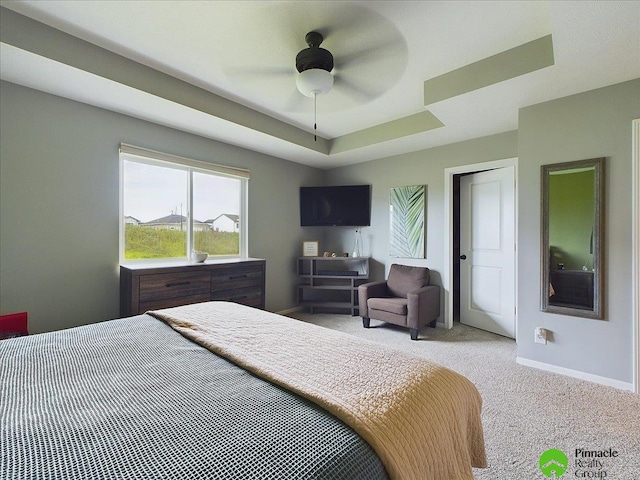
(404, 279)
(389, 304)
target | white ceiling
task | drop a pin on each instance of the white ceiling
(384, 51)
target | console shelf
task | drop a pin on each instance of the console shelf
(331, 283)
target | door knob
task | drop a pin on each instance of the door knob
(463, 257)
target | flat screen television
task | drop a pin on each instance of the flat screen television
(343, 206)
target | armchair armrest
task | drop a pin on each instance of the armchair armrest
(370, 290)
(423, 306)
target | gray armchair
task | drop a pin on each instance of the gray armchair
(404, 299)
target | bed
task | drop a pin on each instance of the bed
(219, 390)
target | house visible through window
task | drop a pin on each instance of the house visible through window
(172, 206)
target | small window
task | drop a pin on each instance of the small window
(172, 206)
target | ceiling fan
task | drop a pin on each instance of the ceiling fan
(353, 55)
(314, 65)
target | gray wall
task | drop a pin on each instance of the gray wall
(425, 167)
(59, 206)
(588, 125)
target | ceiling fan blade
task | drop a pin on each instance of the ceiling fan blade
(373, 69)
(298, 102)
(382, 52)
(259, 71)
(349, 22)
(358, 93)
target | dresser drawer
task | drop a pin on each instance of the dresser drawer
(173, 285)
(236, 277)
(251, 296)
(172, 302)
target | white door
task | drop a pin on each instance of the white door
(487, 251)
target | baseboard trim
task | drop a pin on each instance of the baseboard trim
(290, 310)
(609, 382)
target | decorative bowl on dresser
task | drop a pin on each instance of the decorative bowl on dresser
(151, 286)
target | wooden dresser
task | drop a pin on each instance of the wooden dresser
(147, 287)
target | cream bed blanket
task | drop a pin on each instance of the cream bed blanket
(422, 419)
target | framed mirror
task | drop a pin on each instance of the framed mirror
(572, 260)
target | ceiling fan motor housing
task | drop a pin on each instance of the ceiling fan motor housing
(314, 56)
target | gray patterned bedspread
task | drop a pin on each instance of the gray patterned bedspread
(133, 399)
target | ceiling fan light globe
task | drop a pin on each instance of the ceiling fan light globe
(314, 81)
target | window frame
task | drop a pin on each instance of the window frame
(190, 166)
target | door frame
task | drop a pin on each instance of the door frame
(447, 277)
(635, 222)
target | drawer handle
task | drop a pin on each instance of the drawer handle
(176, 284)
(234, 277)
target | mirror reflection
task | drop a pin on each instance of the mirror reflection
(572, 238)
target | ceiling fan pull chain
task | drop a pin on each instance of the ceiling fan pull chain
(315, 116)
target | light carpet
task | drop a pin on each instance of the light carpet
(526, 411)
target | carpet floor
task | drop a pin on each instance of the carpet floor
(526, 411)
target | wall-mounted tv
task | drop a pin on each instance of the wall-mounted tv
(344, 206)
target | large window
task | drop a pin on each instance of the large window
(172, 206)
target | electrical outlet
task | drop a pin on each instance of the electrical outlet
(540, 335)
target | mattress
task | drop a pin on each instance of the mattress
(132, 398)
